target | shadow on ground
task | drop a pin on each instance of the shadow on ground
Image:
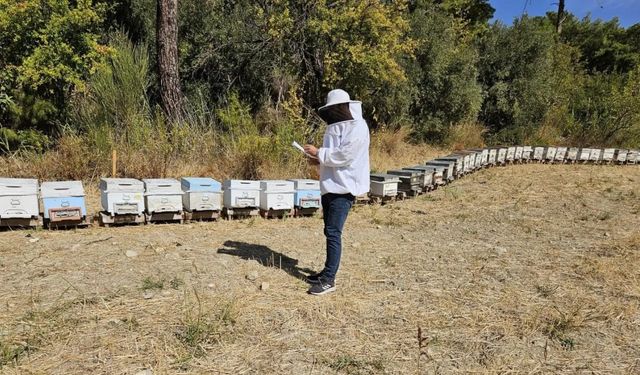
(265, 256)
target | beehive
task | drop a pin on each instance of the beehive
(621, 156)
(162, 195)
(608, 155)
(277, 195)
(584, 155)
(538, 153)
(201, 194)
(18, 198)
(527, 153)
(492, 159)
(550, 154)
(573, 154)
(384, 185)
(633, 156)
(241, 194)
(518, 154)
(595, 155)
(458, 169)
(439, 174)
(501, 158)
(122, 196)
(450, 172)
(561, 154)
(63, 201)
(410, 181)
(511, 154)
(427, 176)
(307, 193)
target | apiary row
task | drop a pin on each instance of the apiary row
(23, 202)
(415, 180)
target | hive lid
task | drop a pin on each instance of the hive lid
(18, 186)
(121, 185)
(404, 172)
(205, 184)
(277, 186)
(383, 177)
(59, 189)
(161, 186)
(241, 184)
(305, 184)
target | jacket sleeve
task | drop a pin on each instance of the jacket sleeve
(353, 144)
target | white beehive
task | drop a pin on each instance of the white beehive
(307, 193)
(561, 154)
(511, 154)
(276, 195)
(632, 157)
(241, 194)
(550, 154)
(384, 185)
(427, 177)
(621, 156)
(122, 196)
(493, 153)
(527, 153)
(18, 198)
(608, 155)
(573, 154)
(201, 194)
(162, 195)
(594, 155)
(502, 155)
(518, 154)
(538, 153)
(584, 155)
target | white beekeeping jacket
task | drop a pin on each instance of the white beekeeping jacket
(344, 156)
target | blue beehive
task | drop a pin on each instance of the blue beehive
(307, 193)
(201, 194)
(63, 201)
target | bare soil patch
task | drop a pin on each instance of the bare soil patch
(529, 268)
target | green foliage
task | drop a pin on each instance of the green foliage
(444, 74)
(21, 140)
(47, 49)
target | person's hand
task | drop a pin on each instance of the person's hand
(311, 150)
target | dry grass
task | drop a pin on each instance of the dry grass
(466, 136)
(510, 270)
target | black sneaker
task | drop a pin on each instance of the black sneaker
(323, 286)
(314, 279)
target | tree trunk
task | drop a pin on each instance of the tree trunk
(167, 48)
(560, 18)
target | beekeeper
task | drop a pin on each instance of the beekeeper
(344, 174)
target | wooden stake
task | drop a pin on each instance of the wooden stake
(114, 163)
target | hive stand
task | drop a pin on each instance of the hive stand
(155, 217)
(363, 199)
(9, 222)
(275, 214)
(236, 213)
(190, 216)
(376, 199)
(106, 220)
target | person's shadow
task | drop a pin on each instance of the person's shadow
(265, 256)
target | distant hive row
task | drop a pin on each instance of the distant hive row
(129, 201)
(417, 179)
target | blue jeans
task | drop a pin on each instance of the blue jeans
(335, 208)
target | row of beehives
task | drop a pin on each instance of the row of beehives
(126, 200)
(62, 203)
(411, 181)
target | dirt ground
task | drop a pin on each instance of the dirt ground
(526, 269)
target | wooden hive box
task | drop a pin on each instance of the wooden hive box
(201, 194)
(633, 156)
(427, 178)
(19, 201)
(538, 154)
(573, 154)
(621, 156)
(63, 202)
(410, 181)
(527, 153)
(584, 155)
(384, 185)
(241, 194)
(277, 195)
(493, 155)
